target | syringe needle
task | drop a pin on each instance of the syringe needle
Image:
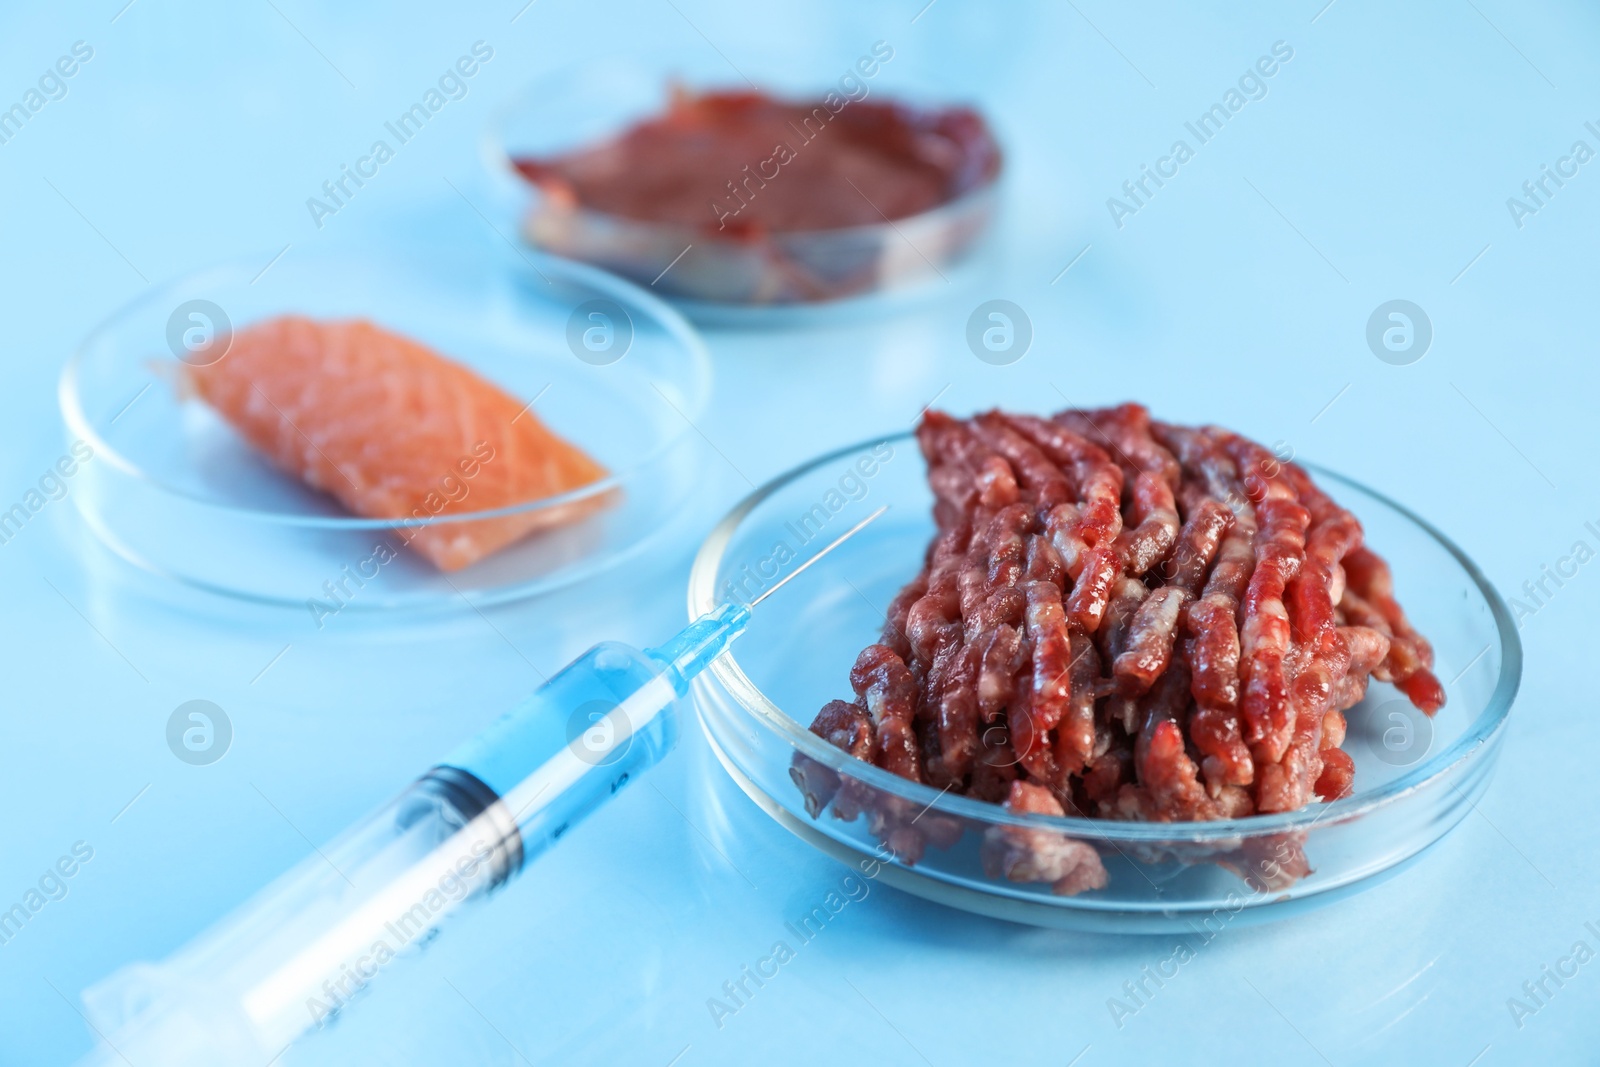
(842, 538)
(704, 639)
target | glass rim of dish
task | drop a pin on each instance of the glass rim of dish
(672, 320)
(1486, 722)
(498, 158)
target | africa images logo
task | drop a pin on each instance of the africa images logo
(451, 85)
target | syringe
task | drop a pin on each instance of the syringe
(289, 959)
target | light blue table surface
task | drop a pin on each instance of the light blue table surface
(1377, 166)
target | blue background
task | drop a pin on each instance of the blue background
(1377, 167)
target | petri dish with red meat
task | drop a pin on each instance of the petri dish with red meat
(1139, 842)
(725, 194)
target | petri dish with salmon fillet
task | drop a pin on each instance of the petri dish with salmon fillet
(410, 427)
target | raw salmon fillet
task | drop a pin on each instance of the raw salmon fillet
(392, 429)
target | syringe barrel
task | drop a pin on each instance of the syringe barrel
(293, 956)
(582, 736)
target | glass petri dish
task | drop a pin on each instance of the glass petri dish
(173, 489)
(1415, 778)
(777, 279)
